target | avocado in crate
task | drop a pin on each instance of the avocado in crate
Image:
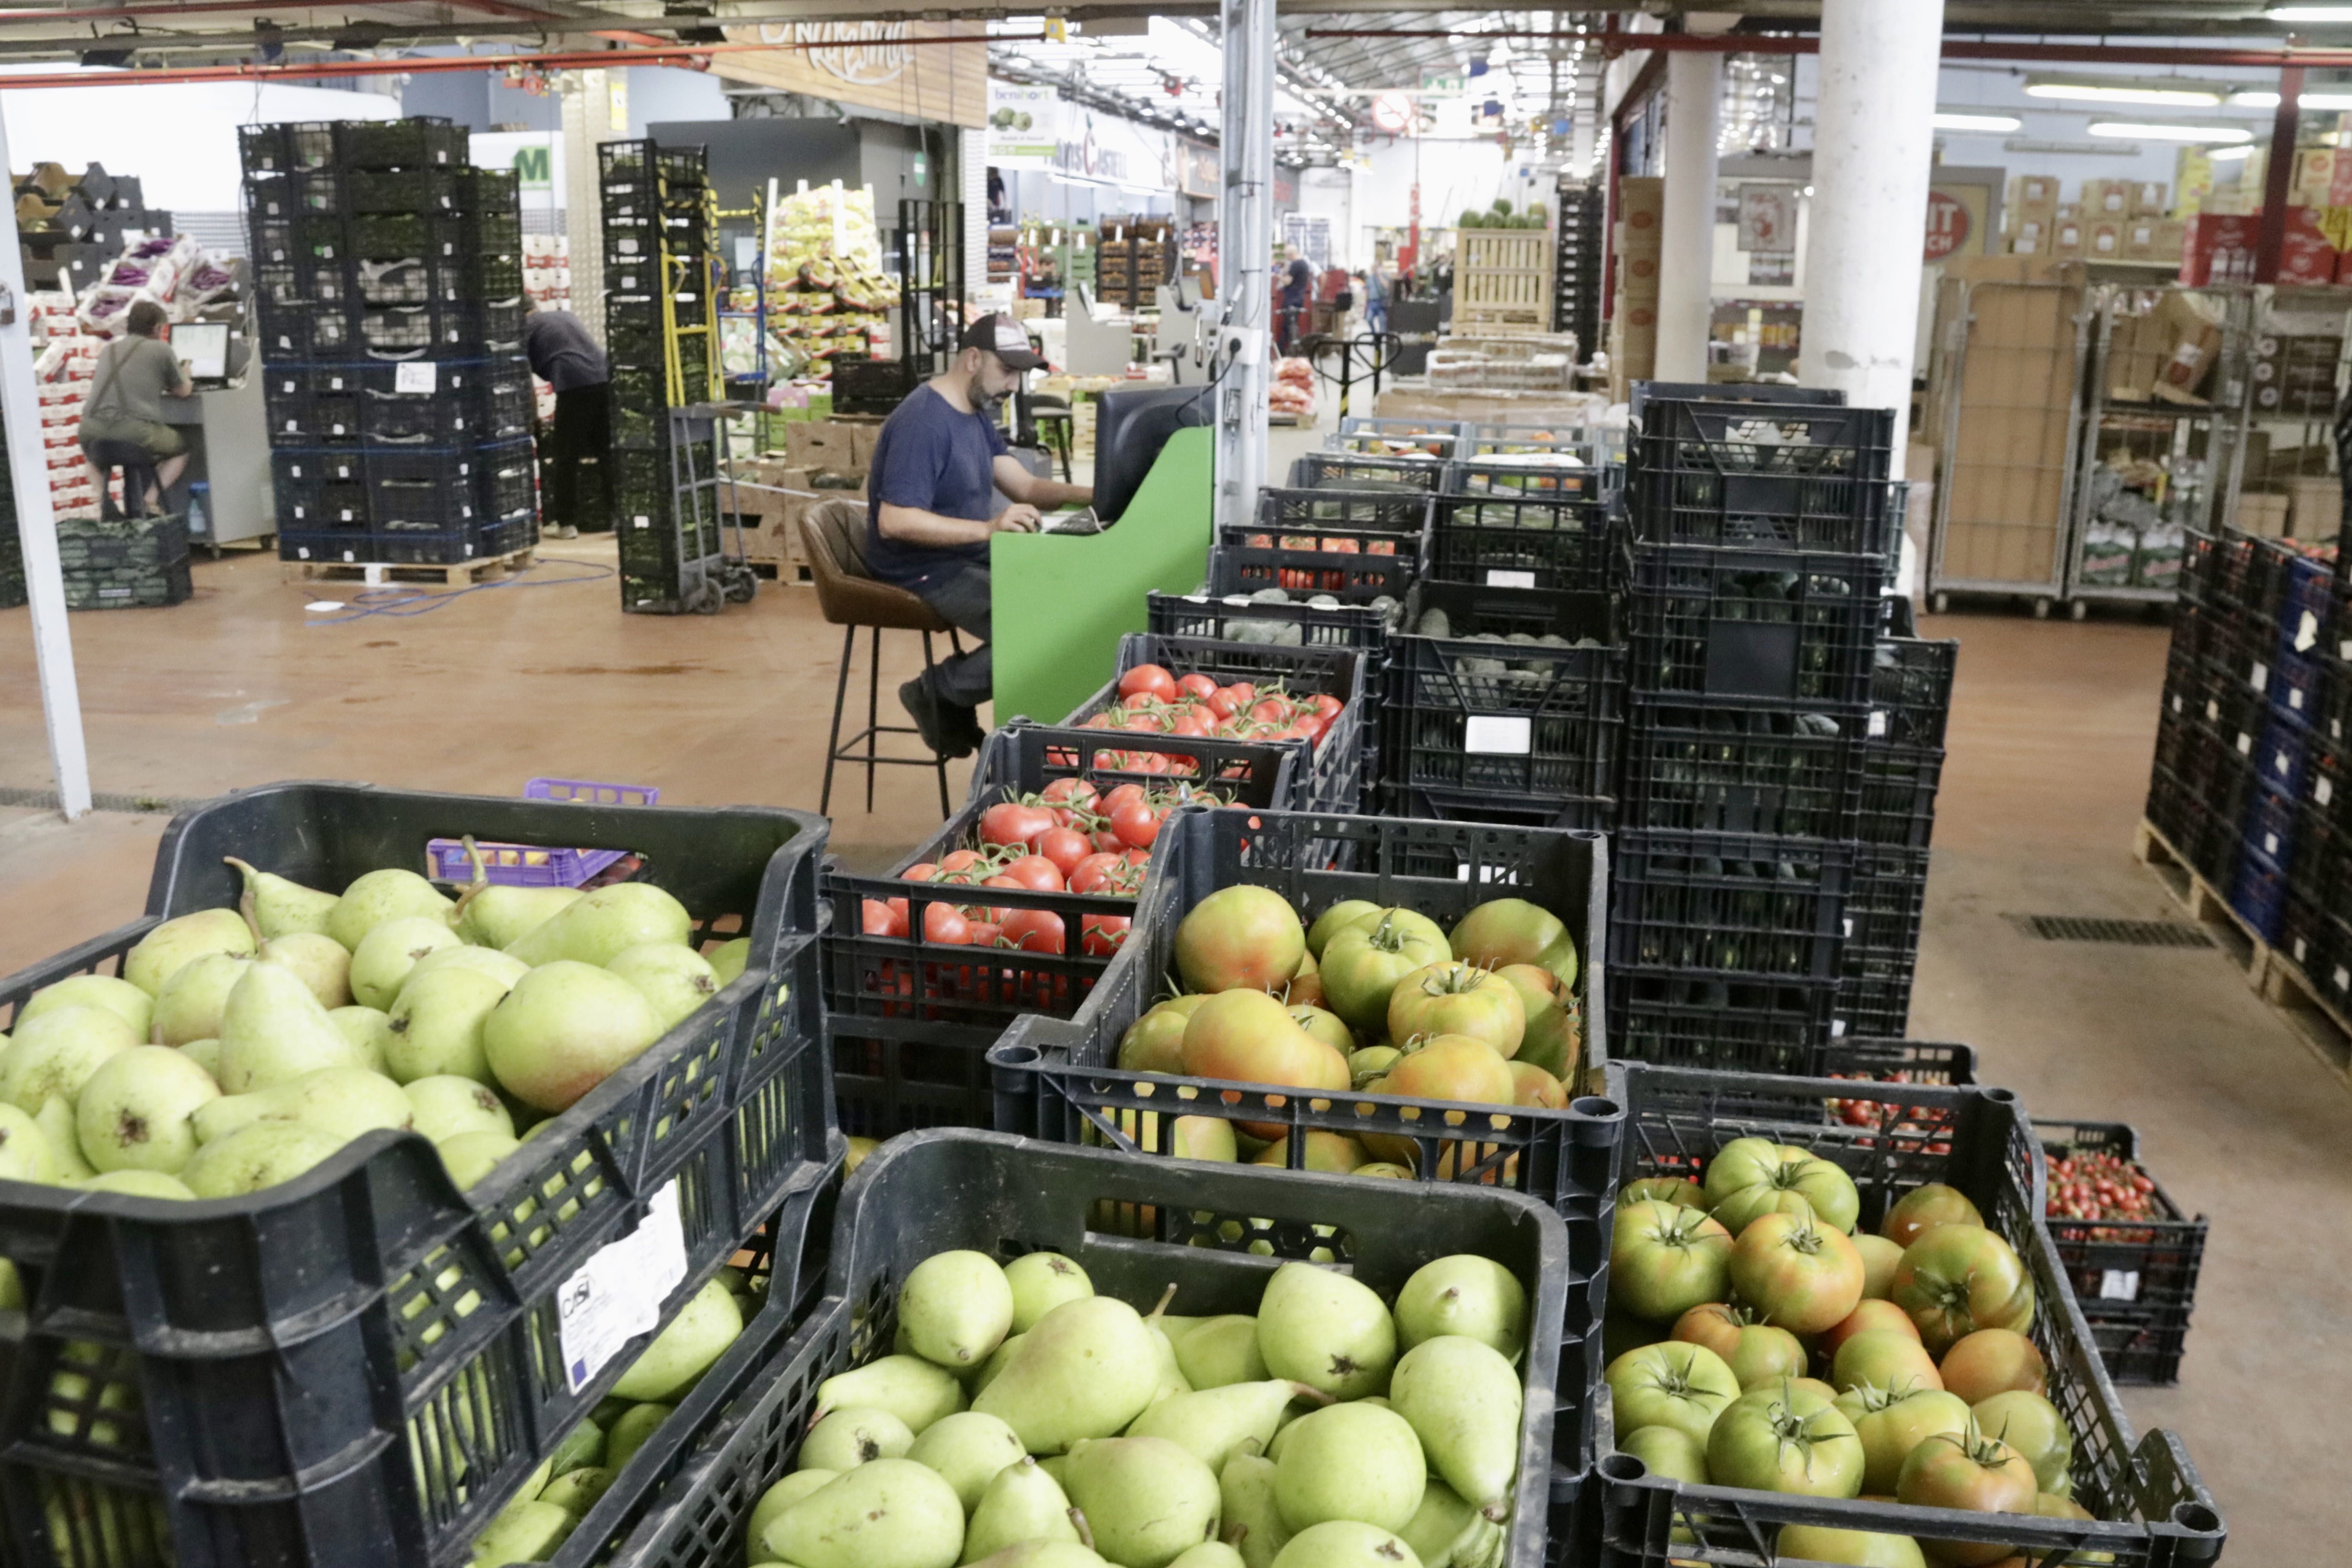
(1289, 1296)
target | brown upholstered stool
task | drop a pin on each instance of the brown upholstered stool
(833, 532)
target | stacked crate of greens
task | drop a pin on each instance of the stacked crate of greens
(388, 292)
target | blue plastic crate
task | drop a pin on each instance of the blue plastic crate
(2306, 606)
(2292, 688)
(2282, 756)
(2271, 825)
(2258, 891)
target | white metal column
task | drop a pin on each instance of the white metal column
(1245, 251)
(1686, 235)
(36, 526)
(1873, 137)
(587, 121)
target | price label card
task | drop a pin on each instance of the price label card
(2246, 745)
(415, 378)
(617, 1294)
(2120, 1285)
(2306, 632)
(1496, 578)
(2270, 845)
(2261, 677)
(1878, 721)
(1837, 1028)
(2322, 789)
(1499, 734)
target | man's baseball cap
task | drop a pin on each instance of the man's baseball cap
(1002, 335)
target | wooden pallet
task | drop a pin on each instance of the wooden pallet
(457, 574)
(2274, 975)
(792, 574)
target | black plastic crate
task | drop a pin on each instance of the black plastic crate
(412, 331)
(1512, 541)
(1898, 794)
(424, 490)
(308, 501)
(301, 282)
(1974, 1139)
(493, 232)
(435, 419)
(314, 1361)
(1222, 616)
(1595, 814)
(1737, 906)
(1911, 690)
(379, 235)
(1372, 570)
(1515, 717)
(2139, 1277)
(1774, 476)
(313, 420)
(1365, 471)
(505, 536)
(1216, 1232)
(1720, 1022)
(1751, 624)
(282, 240)
(485, 276)
(1893, 1059)
(1369, 511)
(510, 478)
(418, 141)
(1708, 768)
(348, 547)
(509, 408)
(406, 281)
(1536, 470)
(1426, 437)
(314, 194)
(304, 331)
(430, 191)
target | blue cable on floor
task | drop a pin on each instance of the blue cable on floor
(407, 604)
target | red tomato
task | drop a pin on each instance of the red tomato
(1224, 703)
(956, 861)
(1120, 795)
(1271, 710)
(1033, 930)
(946, 924)
(1327, 705)
(1106, 841)
(924, 872)
(1103, 935)
(1100, 721)
(1064, 846)
(1190, 722)
(876, 920)
(1136, 824)
(1151, 679)
(1035, 871)
(1010, 821)
(1069, 797)
(984, 934)
(1197, 686)
(1093, 874)
(1143, 723)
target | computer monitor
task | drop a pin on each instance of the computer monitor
(205, 346)
(1131, 427)
(1188, 292)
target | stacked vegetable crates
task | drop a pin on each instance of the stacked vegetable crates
(1761, 539)
(661, 302)
(388, 294)
(2136, 1274)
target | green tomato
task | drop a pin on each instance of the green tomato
(1363, 963)
(2030, 1425)
(1664, 1259)
(1785, 1437)
(1667, 1451)
(1890, 1422)
(1671, 1384)
(1746, 1163)
(1335, 920)
(1454, 998)
(1861, 1548)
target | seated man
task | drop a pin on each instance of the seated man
(937, 464)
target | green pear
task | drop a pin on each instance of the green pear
(380, 962)
(56, 1121)
(162, 952)
(600, 926)
(1167, 1375)
(283, 908)
(12, 1288)
(318, 959)
(1475, 1297)
(676, 980)
(853, 1435)
(25, 1152)
(1030, 1554)
(369, 1029)
(908, 1386)
(119, 997)
(470, 1156)
(579, 1448)
(1345, 1544)
(1221, 1351)
(56, 1052)
(1209, 1554)
(379, 896)
(190, 1005)
(1041, 1282)
(1252, 1516)
(891, 1513)
(448, 1105)
(137, 1111)
(1350, 1461)
(1326, 1331)
(997, 1361)
(780, 1497)
(436, 1025)
(503, 967)
(565, 1029)
(1447, 1532)
(206, 1054)
(1020, 1502)
(1463, 1400)
(274, 1031)
(254, 1157)
(628, 1433)
(342, 1102)
(967, 1450)
(957, 1308)
(137, 1185)
(1214, 1423)
(527, 1531)
(682, 1352)
(577, 1491)
(1088, 1368)
(495, 915)
(1147, 1501)
(727, 960)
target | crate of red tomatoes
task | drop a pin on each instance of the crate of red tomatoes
(2132, 1253)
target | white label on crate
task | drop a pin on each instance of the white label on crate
(414, 376)
(1239, 599)
(2344, 648)
(2212, 713)
(2246, 745)
(1878, 721)
(2120, 1285)
(2322, 791)
(1496, 578)
(2270, 845)
(617, 1294)
(2299, 945)
(2306, 632)
(1499, 734)
(1837, 1028)
(2282, 763)
(2260, 676)
(1848, 923)
(2343, 978)
(2294, 699)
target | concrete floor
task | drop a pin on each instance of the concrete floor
(2050, 739)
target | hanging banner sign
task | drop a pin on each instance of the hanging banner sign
(1024, 125)
(870, 65)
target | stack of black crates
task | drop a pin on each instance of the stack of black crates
(388, 295)
(1781, 753)
(1576, 297)
(661, 316)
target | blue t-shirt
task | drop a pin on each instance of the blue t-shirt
(934, 457)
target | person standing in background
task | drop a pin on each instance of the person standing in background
(1297, 291)
(577, 450)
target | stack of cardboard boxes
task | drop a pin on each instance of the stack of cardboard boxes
(2115, 220)
(821, 459)
(1634, 320)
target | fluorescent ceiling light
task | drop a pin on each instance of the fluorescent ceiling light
(2309, 13)
(2229, 154)
(2123, 90)
(2266, 98)
(1992, 122)
(2133, 129)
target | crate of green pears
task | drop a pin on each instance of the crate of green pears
(1041, 1356)
(333, 1199)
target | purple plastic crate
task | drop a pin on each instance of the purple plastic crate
(530, 865)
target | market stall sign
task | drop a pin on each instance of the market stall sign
(1949, 225)
(1197, 170)
(872, 65)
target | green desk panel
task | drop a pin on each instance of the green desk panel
(1062, 602)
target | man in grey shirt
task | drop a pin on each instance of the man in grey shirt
(122, 422)
(577, 448)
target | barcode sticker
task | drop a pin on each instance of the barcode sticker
(617, 1294)
(2120, 1285)
(1499, 734)
(414, 376)
(1496, 578)
(1837, 1028)
(2306, 632)
(2246, 745)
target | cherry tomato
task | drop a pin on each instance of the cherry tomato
(1149, 680)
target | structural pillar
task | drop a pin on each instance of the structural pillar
(587, 122)
(1686, 235)
(1873, 143)
(36, 527)
(1246, 253)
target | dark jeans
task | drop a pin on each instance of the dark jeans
(579, 457)
(960, 593)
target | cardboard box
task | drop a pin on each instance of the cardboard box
(2189, 328)
(2314, 507)
(2066, 238)
(2103, 239)
(2032, 191)
(2147, 199)
(1637, 276)
(1641, 214)
(2261, 514)
(2315, 173)
(2305, 257)
(2219, 248)
(820, 445)
(863, 434)
(2106, 199)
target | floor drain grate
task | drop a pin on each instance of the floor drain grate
(2126, 934)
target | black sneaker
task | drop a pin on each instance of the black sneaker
(963, 723)
(933, 718)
